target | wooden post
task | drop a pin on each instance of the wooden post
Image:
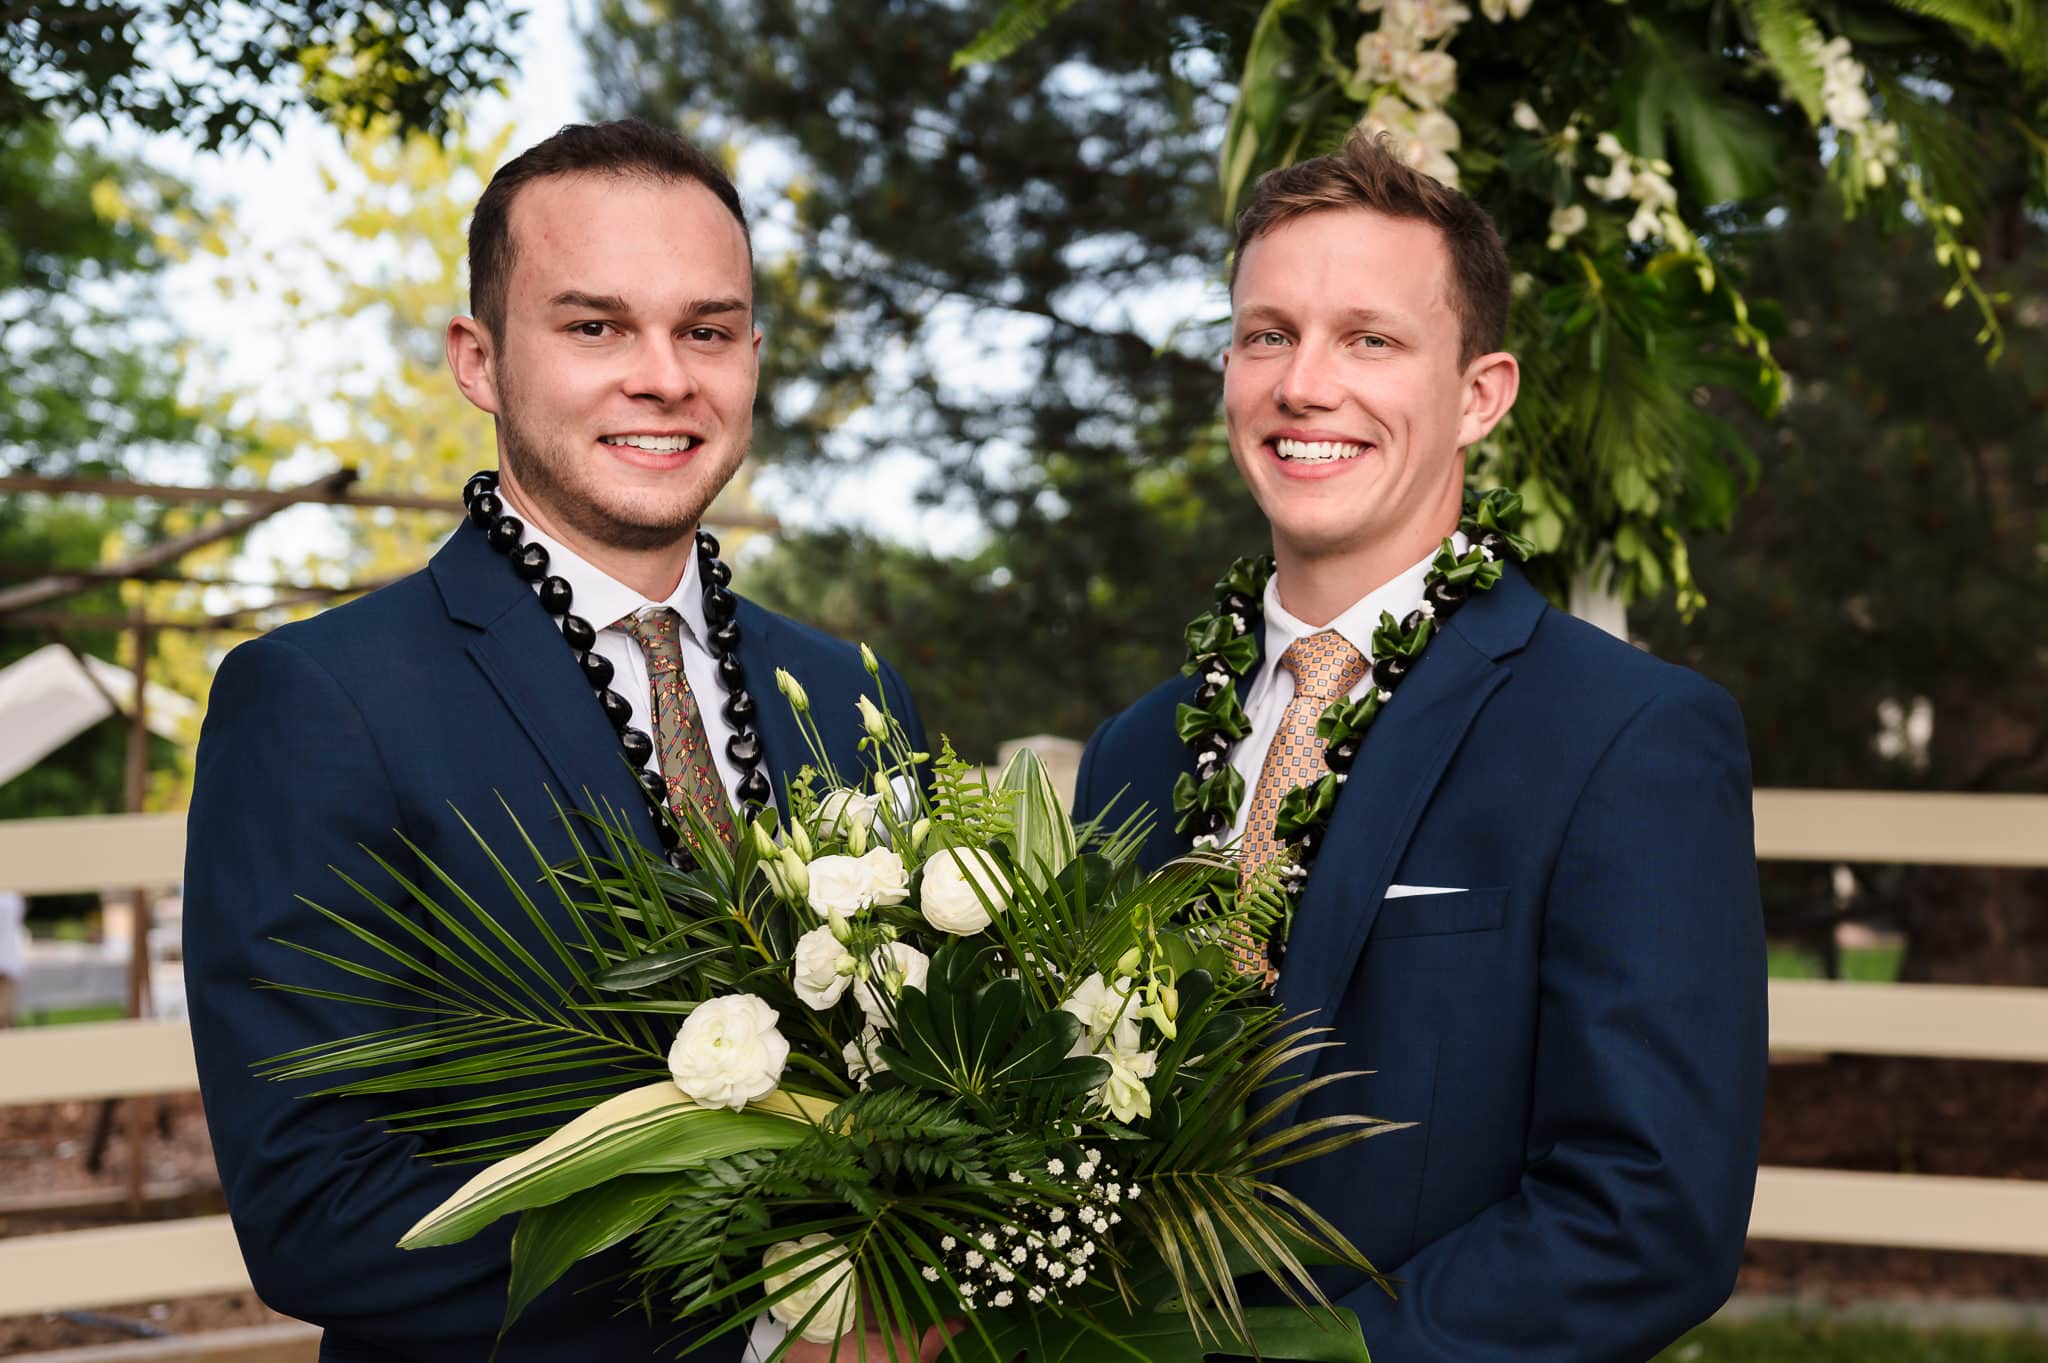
(140, 912)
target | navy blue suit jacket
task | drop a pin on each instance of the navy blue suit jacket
(446, 692)
(1579, 1033)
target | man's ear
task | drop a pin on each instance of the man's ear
(473, 361)
(1491, 382)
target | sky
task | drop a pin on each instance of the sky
(274, 192)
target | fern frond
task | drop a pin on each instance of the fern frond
(1019, 22)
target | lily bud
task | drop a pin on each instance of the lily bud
(1128, 963)
(795, 872)
(790, 687)
(870, 661)
(872, 719)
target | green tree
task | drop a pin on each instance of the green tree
(89, 377)
(1628, 152)
(985, 270)
(1894, 564)
(216, 71)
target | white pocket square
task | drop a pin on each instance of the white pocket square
(1411, 891)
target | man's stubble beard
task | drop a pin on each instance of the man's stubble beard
(546, 473)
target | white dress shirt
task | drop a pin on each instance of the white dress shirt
(602, 599)
(1273, 685)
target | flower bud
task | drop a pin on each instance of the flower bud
(764, 842)
(1169, 1001)
(795, 872)
(800, 841)
(870, 661)
(872, 720)
(842, 933)
(919, 831)
(1127, 964)
(856, 837)
(792, 688)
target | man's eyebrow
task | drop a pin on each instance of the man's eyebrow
(711, 307)
(589, 302)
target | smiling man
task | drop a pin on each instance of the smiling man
(1532, 911)
(575, 639)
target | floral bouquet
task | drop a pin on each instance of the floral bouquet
(941, 1054)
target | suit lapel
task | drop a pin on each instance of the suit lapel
(521, 653)
(784, 751)
(1399, 767)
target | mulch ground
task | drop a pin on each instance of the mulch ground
(1847, 1112)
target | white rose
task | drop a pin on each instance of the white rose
(863, 1056)
(888, 880)
(833, 1287)
(728, 1052)
(840, 887)
(949, 899)
(1107, 1012)
(824, 968)
(1124, 1092)
(894, 968)
(842, 809)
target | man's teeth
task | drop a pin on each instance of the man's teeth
(658, 444)
(1317, 451)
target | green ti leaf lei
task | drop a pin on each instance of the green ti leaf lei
(1223, 646)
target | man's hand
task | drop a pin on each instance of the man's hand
(880, 1348)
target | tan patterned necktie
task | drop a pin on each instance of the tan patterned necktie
(1325, 667)
(679, 737)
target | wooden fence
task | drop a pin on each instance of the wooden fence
(198, 1254)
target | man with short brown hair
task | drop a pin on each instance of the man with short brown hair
(1530, 902)
(575, 639)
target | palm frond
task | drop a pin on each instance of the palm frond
(1019, 22)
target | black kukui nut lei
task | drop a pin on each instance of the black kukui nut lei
(505, 533)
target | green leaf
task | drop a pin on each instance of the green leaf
(651, 1129)
(551, 1239)
(1224, 715)
(643, 972)
(1019, 22)
(1040, 830)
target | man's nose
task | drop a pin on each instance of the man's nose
(1308, 383)
(661, 371)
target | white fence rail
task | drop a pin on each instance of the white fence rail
(126, 1059)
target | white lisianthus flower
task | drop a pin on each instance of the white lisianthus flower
(888, 878)
(956, 880)
(1565, 223)
(833, 1287)
(728, 1052)
(824, 968)
(1498, 10)
(839, 887)
(1427, 78)
(1106, 1012)
(840, 810)
(863, 1056)
(1124, 1093)
(1525, 117)
(894, 968)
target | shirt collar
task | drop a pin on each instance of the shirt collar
(603, 600)
(1358, 620)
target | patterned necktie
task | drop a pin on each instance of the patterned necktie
(679, 737)
(1325, 667)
